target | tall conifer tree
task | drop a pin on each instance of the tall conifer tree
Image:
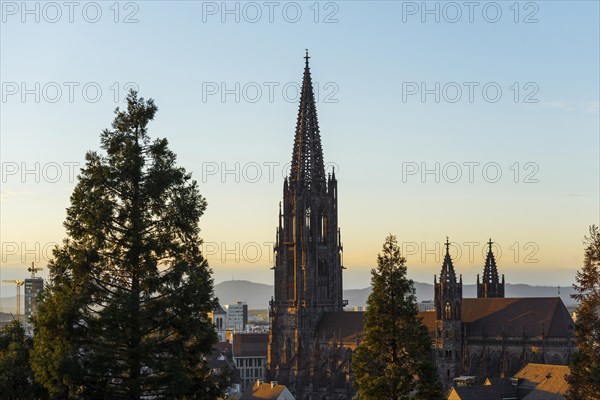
(394, 360)
(584, 379)
(125, 314)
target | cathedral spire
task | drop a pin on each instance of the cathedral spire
(490, 271)
(308, 253)
(490, 286)
(448, 275)
(308, 170)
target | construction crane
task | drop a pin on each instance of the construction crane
(19, 283)
(33, 269)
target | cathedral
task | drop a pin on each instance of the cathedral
(492, 336)
(308, 256)
(312, 338)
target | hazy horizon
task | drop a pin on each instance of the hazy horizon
(411, 158)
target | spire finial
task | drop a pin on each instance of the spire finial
(447, 245)
(308, 168)
(490, 243)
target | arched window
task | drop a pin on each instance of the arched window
(323, 228)
(448, 311)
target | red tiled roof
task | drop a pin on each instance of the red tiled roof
(514, 317)
(222, 347)
(429, 320)
(549, 380)
(264, 391)
(344, 324)
(250, 344)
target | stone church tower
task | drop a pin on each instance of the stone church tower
(448, 325)
(491, 285)
(308, 253)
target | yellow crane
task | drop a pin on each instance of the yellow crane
(19, 283)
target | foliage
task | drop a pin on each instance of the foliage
(394, 360)
(584, 378)
(125, 314)
(16, 376)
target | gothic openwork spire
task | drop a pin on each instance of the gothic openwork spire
(447, 275)
(308, 170)
(308, 253)
(490, 272)
(491, 285)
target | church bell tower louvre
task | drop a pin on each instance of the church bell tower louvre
(308, 252)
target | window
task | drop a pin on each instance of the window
(323, 228)
(448, 311)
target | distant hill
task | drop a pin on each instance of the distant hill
(257, 295)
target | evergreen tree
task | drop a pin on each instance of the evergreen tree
(394, 360)
(125, 314)
(16, 376)
(584, 378)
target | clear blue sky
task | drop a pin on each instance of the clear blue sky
(373, 129)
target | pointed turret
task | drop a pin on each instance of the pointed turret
(490, 272)
(448, 275)
(490, 286)
(448, 291)
(308, 170)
